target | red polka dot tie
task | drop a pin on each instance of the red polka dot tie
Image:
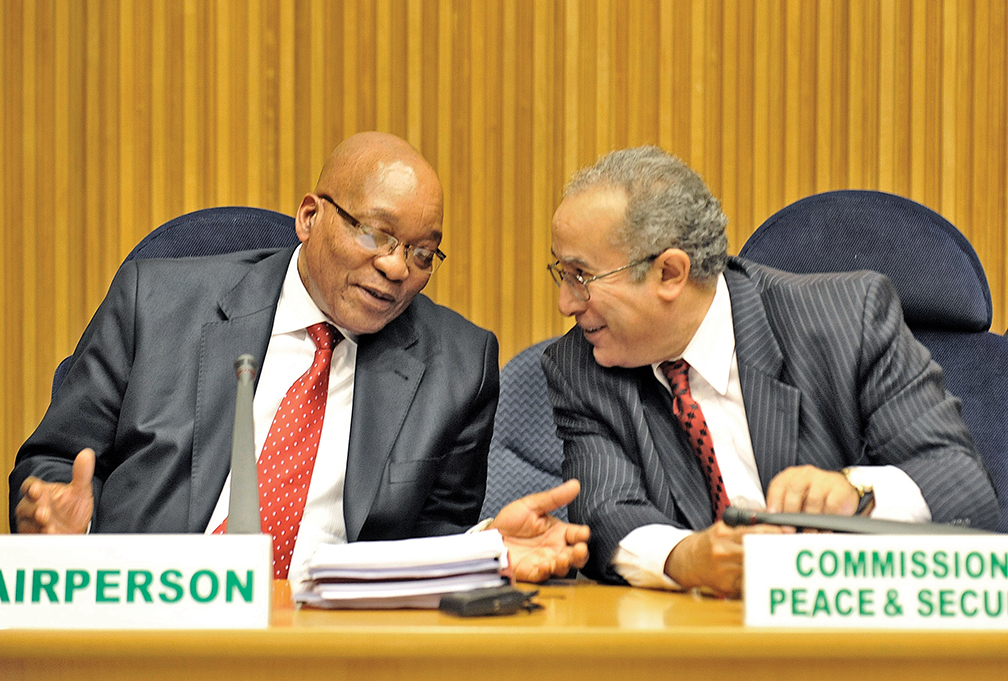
(692, 420)
(288, 455)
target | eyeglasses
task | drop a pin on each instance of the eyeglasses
(381, 243)
(579, 283)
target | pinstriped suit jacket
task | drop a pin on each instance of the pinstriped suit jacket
(831, 376)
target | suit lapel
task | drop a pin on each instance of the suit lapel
(772, 407)
(386, 379)
(246, 321)
(671, 458)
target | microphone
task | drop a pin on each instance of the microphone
(243, 506)
(736, 517)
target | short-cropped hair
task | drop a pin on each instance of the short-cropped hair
(668, 206)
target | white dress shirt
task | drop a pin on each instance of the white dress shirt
(714, 384)
(289, 355)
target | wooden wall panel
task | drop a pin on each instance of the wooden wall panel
(120, 115)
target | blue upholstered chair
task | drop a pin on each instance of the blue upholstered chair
(210, 231)
(941, 284)
(525, 452)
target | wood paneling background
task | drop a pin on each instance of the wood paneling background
(120, 115)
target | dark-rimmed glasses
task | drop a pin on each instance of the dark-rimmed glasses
(382, 243)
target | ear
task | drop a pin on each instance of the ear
(673, 266)
(306, 215)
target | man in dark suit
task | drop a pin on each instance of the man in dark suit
(412, 387)
(694, 380)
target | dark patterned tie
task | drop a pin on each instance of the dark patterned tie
(692, 420)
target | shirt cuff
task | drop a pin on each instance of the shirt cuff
(480, 526)
(897, 496)
(641, 555)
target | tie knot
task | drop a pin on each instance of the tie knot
(676, 372)
(324, 335)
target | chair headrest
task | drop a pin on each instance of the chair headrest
(936, 272)
(212, 231)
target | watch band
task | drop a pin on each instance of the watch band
(866, 493)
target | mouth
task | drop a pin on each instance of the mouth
(590, 330)
(382, 297)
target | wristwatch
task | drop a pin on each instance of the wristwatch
(866, 494)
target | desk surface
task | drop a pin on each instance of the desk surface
(584, 631)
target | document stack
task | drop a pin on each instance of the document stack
(410, 573)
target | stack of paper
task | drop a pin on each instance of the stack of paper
(410, 573)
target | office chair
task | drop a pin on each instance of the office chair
(210, 231)
(941, 285)
(525, 452)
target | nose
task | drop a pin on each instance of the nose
(570, 303)
(393, 264)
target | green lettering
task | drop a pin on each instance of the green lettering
(174, 587)
(4, 598)
(946, 602)
(798, 602)
(865, 602)
(940, 559)
(962, 602)
(882, 567)
(821, 604)
(44, 580)
(138, 580)
(806, 572)
(828, 563)
(19, 586)
(975, 560)
(841, 610)
(105, 581)
(777, 597)
(920, 567)
(233, 584)
(987, 608)
(855, 567)
(999, 564)
(925, 607)
(75, 581)
(194, 586)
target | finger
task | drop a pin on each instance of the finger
(552, 499)
(793, 499)
(31, 488)
(775, 494)
(83, 469)
(577, 533)
(579, 556)
(842, 500)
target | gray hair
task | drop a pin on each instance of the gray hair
(668, 206)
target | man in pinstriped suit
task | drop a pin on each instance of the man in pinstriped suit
(817, 397)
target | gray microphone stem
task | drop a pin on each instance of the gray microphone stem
(243, 508)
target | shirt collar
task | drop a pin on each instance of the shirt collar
(296, 310)
(712, 347)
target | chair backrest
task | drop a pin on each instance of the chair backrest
(210, 231)
(941, 284)
(938, 276)
(525, 452)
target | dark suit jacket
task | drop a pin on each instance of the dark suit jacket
(152, 387)
(831, 377)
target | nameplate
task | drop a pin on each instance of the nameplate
(117, 581)
(878, 581)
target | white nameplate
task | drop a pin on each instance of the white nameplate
(892, 582)
(135, 581)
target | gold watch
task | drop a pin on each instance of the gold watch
(866, 494)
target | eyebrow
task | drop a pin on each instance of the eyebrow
(579, 262)
(388, 218)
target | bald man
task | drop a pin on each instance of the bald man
(410, 400)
